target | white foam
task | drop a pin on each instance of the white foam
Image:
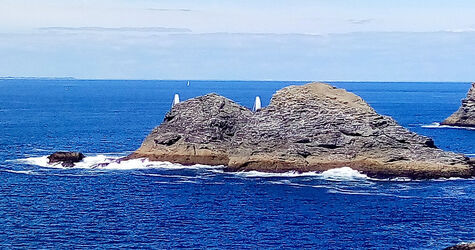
(451, 179)
(344, 173)
(170, 176)
(398, 179)
(38, 161)
(28, 172)
(40, 150)
(88, 162)
(109, 162)
(438, 125)
(349, 192)
(257, 174)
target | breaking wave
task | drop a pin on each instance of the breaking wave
(258, 174)
(114, 162)
(27, 172)
(438, 125)
(337, 174)
(344, 173)
(108, 162)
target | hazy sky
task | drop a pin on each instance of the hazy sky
(404, 40)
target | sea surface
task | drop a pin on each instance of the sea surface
(141, 204)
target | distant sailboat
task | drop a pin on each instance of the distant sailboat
(257, 104)
(188, 83)
(176, 100)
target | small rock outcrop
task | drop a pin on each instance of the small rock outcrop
(67, 159)
(464, 246)
(465, 115)
(314, 127)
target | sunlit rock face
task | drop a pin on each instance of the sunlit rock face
(314, 127)
(465, 115)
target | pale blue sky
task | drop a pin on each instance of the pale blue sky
(251, 40)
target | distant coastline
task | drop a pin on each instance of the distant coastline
(220, 80)
(36, 78)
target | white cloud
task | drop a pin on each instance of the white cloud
(461, 30)
(168, 10)
(299, 16)
(115, 29)
(360, 21)
(383, 56)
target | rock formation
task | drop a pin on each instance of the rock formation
(465, 246)
(465, 115)
(67, 159)
(314, 127)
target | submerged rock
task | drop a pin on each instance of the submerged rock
(465, 246)
(465, 115)
(67, 159)
(314, 127)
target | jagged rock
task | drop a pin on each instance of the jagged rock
(67, 159)
(314, 127)
(465, 246)
(465, 115)
(199, 130)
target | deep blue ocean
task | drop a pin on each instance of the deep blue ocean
(162, 205)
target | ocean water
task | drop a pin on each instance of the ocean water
(142, 204)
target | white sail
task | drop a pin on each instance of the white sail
(257, 104)
(188, 83)
(176, 100)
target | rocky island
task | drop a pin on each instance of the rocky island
(67, 159)
(465, 115)
(463, 246)
(314, 127)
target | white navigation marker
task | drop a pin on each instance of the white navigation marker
(257, 104)
(176, 100)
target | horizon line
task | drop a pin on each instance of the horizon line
(66, 78)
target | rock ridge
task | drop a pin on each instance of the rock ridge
(465, 115)
(463, 246)
(313, 127)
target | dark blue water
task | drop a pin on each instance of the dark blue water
(200, 207)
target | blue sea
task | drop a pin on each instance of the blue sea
(141, 204)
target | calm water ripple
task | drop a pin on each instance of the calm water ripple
(163, 205)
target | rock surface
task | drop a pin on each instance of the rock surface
(67, 159)
(465, 115)
(314, 127)
(465, 246)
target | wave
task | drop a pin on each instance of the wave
(258, 174)
(88, 162)
(336, 174)
(27, 172)
(344, 173)
(174, 176)
(111, 162)
(438, 125)
(374, 193)
(40, 150)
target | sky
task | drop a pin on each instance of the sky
(348, 40)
